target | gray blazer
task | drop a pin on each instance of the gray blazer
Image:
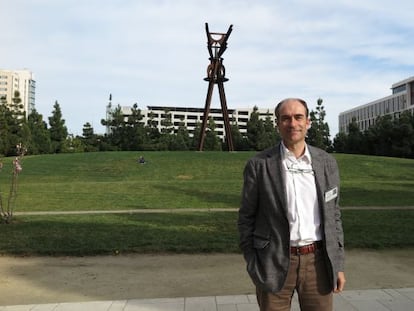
(263, 224)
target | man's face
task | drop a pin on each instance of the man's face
(293, 123)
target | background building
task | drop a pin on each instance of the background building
(402, 99)
(21, 81)
(191, 116)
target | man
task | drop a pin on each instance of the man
(289, 221)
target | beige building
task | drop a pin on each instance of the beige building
(21, 81)
(191, 116)
(401, 99)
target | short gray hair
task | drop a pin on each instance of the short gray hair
(291, 99)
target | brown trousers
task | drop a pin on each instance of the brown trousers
(308, 276)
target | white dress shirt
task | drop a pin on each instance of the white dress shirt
(302, 201)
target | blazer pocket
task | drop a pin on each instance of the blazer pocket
(260, 242)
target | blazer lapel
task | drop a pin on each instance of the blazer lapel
(274, 167)
(319, 169)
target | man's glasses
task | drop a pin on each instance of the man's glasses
(295, 170)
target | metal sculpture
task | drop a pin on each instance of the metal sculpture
(216, 44)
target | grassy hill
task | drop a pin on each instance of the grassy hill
(180, 180)
(114, 180)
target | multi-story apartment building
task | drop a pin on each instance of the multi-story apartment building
(21, 81)
(191, 116)
(401, 99)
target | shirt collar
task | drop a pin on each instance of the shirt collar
(286, 153)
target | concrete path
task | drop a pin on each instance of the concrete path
(375, 299)
(356, 300)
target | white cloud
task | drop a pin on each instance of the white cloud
(154, 52)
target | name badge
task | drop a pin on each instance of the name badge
(331, 194)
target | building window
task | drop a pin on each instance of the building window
(399, 89)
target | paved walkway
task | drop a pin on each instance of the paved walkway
(353, 300)
(350, 300)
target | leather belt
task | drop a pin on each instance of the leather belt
(306, 249)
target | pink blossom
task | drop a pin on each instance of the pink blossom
(17, 166)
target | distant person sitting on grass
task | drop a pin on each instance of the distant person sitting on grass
(141, 160)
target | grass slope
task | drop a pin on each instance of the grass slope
(185, 232)
(114, 180)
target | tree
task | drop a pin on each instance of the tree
(135, 131)
(13, 127)
(402, 135)
(355, 138)
(389, 136)
(340, 141)
(125, 133)
(88, 131)
(212, 142)
(167, 131)
(270, 135)
(240, 142)
(5, 119)
(75, 144)
(58, 131)
(116, 124)
(39, 142)
(196, 136)
(181, 138)
(318, 133)
(255, 130)
(383, 128)
(152, 132)
(89, 138)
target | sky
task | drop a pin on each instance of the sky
(154, 52)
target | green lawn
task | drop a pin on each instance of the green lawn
(376, 181)
(201, 232)
(114, 180)
(180, 180)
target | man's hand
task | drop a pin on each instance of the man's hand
(340, 283)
